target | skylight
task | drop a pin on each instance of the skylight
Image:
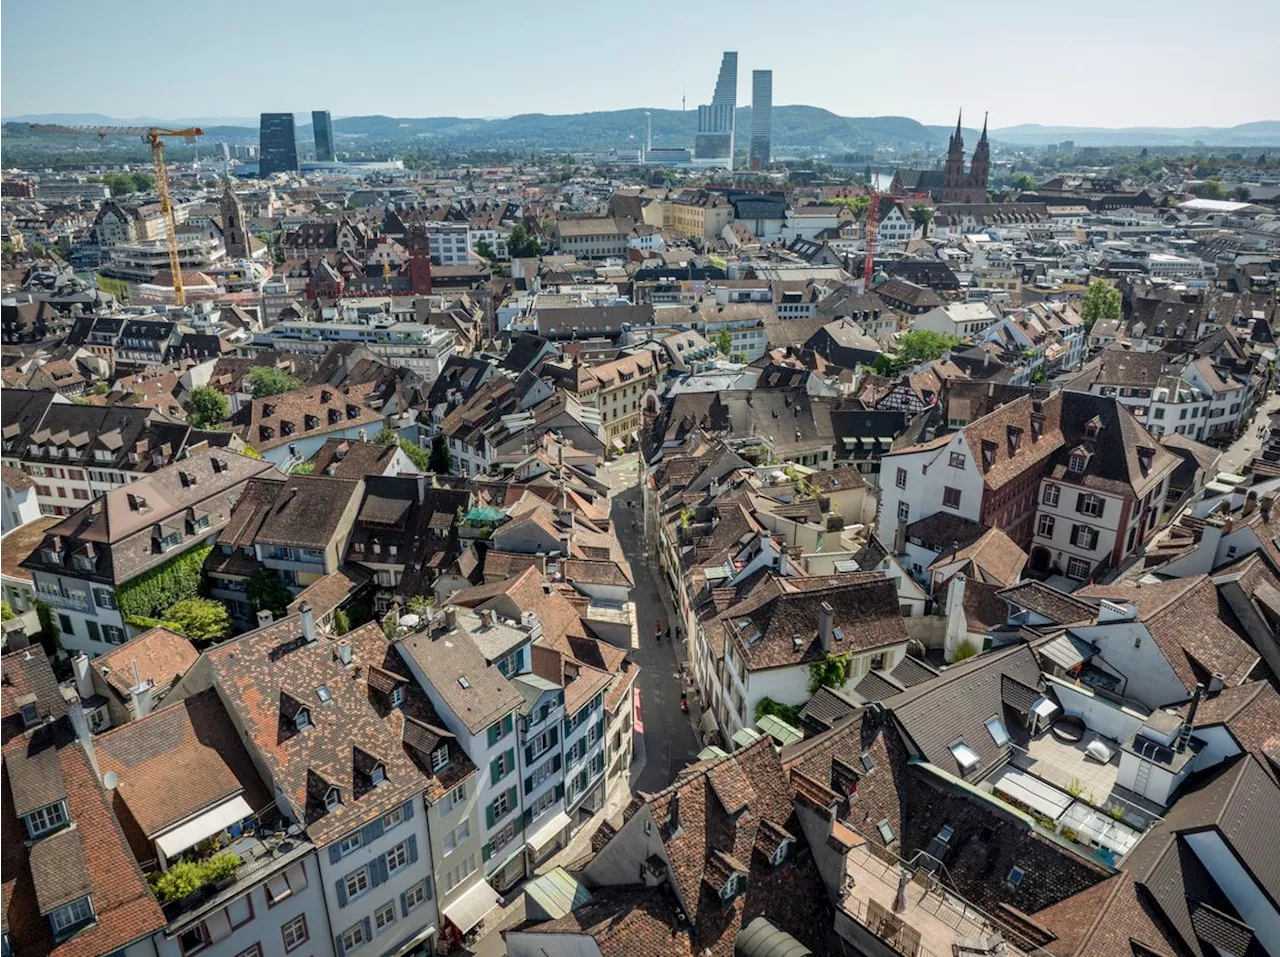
(322, 693)
(999, 734)
(965, 756)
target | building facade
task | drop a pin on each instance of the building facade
(277, 144)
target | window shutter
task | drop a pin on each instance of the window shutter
(1075, 533)
(408, 810)
(404, 904)
(413, 848)
(493, 735)
(528, 755)
(337, 946)
(368, 930)
(486, 852)
(335, 853)
(511, 758)
(383, 869)
(600, 730)
(528, 784)
(559, 792)
(372, 831)
(342, 892)
(555, 763)
(1080, 502)
(426, 886)
(555, 735)
(493, 771)
(488, 817)
(1102, 505)
(376, 873)
(513, 797)
(507, 725)
(526, 817)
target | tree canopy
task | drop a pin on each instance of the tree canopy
(522, 245)
(202, 620)
(268, 380)
(723, 340)
(921, 214)
(916, 346)
(1209, 189)
(441, 459)
(265, 590)
(1101, 301)
(126, 184)
(1023, 182)
(206, 406)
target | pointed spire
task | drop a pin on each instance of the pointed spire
(984, 127)
(958, 116)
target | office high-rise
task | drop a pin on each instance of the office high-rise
(322, 127)
(761, 118)
(277, 144)
(717, 120)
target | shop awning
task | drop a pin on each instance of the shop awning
(469, 909)
(412, 943)
(211, 822)
(708, 721)
(546, 832)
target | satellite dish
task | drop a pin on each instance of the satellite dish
(110, 780)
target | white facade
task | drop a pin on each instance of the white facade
(451, 243)
(959, 320)
(20, 506)
(409, 345)
(378, 883)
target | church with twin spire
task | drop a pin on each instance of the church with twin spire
(953, 183)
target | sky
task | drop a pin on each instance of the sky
(1088, 63)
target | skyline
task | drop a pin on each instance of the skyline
(678, 52)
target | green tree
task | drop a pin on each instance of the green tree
(5, 611)
(265, 590)
(723, 341)
(202, 620)
(206, 406)
(523, 245)
(386, 436)
(916, 346)
(1101, 301)
(1241, 194)
(303, 468)
(268, 380)
(101, 388)
(922, 215)
(1023, 182)
(1209, 189)
(341, 622)
(830, 672)
(855, 203)
(485, 251)
(441, 461)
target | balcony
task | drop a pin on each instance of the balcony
(65, 602)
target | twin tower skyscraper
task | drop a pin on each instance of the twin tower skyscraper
(278, 146)
(717, 120)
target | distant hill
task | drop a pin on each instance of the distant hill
(804, 129)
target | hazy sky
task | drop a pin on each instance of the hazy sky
(1088, 63)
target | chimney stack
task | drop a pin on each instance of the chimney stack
(265, 618)
(1188, 724)
(486, 618)
(451, 618)
(826, 616)
(84, 680)
(344, 652)
(140, 694)
(308, 620)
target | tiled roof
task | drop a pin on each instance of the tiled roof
(264, 676)
(308, 510)
(624, 922)
(1048, 602)
(161, 655)
(304, 413)
(352, 459)
(178, 761)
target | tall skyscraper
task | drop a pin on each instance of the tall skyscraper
(717, 120)
(761, 118)
(277, 144)
(322, 126)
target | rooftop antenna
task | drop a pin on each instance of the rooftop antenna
(682, 106)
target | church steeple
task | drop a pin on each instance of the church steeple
(954, 177)
(234, 237)
(958, 137)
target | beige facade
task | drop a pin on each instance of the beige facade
(698, 215)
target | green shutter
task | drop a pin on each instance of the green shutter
(511, 759)
(493, 734)
(507, 725)
(486, 852)
(488, 817)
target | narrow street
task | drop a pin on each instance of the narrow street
(669, 742)
(1244, 448)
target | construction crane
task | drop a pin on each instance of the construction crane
(153, 136)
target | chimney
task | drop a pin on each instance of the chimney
(826, 616)
(265, 618)
(486, 618)
(451, 618)
(344, 652)
(308, 620)
(84, 680)
(140, 694)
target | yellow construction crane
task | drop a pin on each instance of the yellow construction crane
(153, 136)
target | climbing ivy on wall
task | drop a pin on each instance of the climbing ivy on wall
(153, 592)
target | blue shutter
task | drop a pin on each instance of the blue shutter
(426, 886)
(600, 730)
(337, 946)
(528, 755)
(383, 870)
(368, 930)
(376, 873)
(413, 848)
(335, 853)
(404, 904)
(342, 892)
(408, 810)
(371, 831)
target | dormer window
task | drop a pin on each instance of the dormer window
(780, 854)
(378, 775)
(440, 758)
(1077, 462)
(45, 819)
(1015, 439)
(30, 711)
(988, 454)
(1146, 455)
(302, 720)
(730, 889)
(70, 916)
(333, 799)
(397, 696)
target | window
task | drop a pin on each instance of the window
(457, 796)
(460, 872)
(965, 756)
(193, 939)
(1088, 504)
(281, 886)
(384, 917)
(240, 911)
(397, 857)
(414, 896)
(501, 805)
(1159, 410)
(886, 831)
(46, 819)
(999, 734)
(957, 460)
(1044, 526)
(253, 950)
(302, 721)
(902, 478)
(104, 598)
(353, 937)
(64, 623)
(1082, 536)
(71, 915)
(1016, 874)
(356, 883)
(457, 837)
(868, 762)
(1078, 569)
(1051, 493)
(392, 818)
(333, 799)
(780, 854)
(378, 775)
(904, 511)
(397, 696)
(951, 497)
(440, 758)
(730, 889)
(350, 843)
